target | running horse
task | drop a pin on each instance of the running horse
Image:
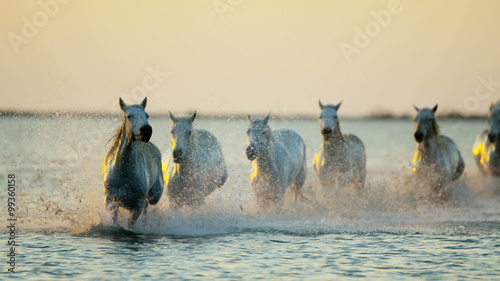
(278, 162)
(341, 160)
(195, 167)
(486, 148)
(132, 167)
(437, 162)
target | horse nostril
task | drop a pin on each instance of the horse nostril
(251, 153)
(177, 155)
(145, 132)
(327, 131)
(491, 137)
(418, 136)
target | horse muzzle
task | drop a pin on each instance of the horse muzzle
(145, 133)
(418, 136)
(177, 155)
(327, 131)
(251, 153)
(492, 137)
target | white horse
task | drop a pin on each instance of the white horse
(486, 148)
(195, 167)
(341, 160)
(278, 161)
(132, 167)
(437, 161)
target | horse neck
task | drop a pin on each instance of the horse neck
(429, 147)
(125, 150)
(266, 158)
(189, 156)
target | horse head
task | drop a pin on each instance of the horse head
(136, 121)
(494, 122)
(425, 123)
(328, 119)
(182, 132)
(259, 136)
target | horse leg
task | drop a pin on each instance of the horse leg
(146, 205)
(113, 208)
(155, 192)
(223, 178)
(174, 202)
(276, 203)
(359, 178)
(297, 185)
(134, 215)
(114, 213)
(439, 190)
(337, 184)
(459, 170)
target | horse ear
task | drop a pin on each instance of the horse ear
(320, 104)
(338, 106)
(192, 117)
(267, 118)
(144, 102)
(172, 117)
(435, 108)
(249, 118)
(122, 104)
(416, 108)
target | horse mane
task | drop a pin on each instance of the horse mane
(116, 138)
(270, 136)
(435, 127)
(269, 133)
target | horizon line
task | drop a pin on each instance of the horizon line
(80, 113)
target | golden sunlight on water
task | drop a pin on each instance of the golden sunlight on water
(61, 199)
(226, 59)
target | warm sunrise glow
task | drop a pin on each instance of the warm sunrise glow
(259, 56)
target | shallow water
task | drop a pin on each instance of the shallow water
(389, 230)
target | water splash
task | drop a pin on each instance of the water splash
(54, 196)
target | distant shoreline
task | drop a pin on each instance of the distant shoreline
(90, 114)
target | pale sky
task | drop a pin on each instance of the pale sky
(250, 56)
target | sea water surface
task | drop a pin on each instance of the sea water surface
(390, 230)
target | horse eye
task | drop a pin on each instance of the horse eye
(147, 115)
(190, 132)
(263, 133)
(129, 116)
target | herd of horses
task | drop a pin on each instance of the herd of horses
(135, 177)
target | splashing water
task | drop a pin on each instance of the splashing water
(57, 162)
